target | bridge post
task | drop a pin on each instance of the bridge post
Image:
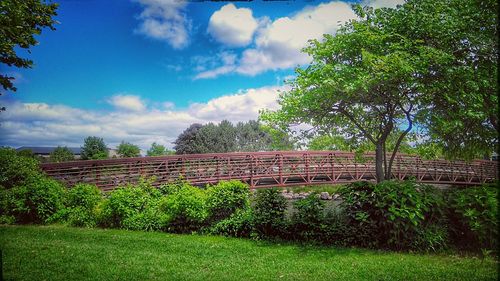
(308, 178)
(281, 168)
(217, 169)
(251, 171)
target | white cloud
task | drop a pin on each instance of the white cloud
(232, 26)
(127, 102)
(278, 43)
(165, 20)
(227, 59)
(41, 124)
(383, 3)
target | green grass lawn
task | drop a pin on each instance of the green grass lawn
(63, 253)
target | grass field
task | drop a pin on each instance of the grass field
(63, 253)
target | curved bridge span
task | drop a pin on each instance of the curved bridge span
(266, 169)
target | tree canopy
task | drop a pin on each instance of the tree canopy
(20, 20)
(392, 69)
(94, 148)
(362, 83)
(225, 137)
(158, 150)
(126, 149)
(461, 92)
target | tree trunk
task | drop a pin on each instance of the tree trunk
(379, 162)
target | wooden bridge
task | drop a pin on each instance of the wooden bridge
(265, 169)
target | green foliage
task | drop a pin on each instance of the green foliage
(20, 20)
(184, 144)
(126, 149)
(224, 137)
(185, 206)
(308, 219)
(462, 88)
(80, 203)
(35, 201)
(392, 213)
(133, 207)
(269, 213)
(238, 224)
(61, 154)
(158, 150)
(94, 148)
(224, 198)
(362, 84)
(431, 238)
(474, 216)
(250, 136)
(15, 169)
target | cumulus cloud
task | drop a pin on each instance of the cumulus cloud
(383, 3)
(232, 26)
(277, 44)
(165, 20)
(228, 65)
(41, 124)
(127, 102)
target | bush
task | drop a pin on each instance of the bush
(185, 206)
(225, 198)
(474, 217)
(80, 203)
(239, 224)
(308, 219)
(15, 169)
(132, 207)
(391, 213)
(269, 213)
(33, 202)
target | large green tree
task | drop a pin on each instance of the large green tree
(20, 20)
(364, 83)
(185, 142)
(126, 149)
(158, 150)
(461, 111)
(225, 137)
(94, 148)
(250, 136)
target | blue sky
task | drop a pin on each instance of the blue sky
(143, 70)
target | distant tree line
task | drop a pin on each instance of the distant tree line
(226, 137)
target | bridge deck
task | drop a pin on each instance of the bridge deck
(264, 169)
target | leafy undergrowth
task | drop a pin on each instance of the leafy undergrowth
(64, 253)
(315, 188)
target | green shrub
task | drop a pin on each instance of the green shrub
(474, 217)
(238, 224)
(432, 237)
(269, 213)
(392, 213)
(132, 207)
(149, 219)
(185, 206)
(308, 219)
(225, 198)
(33, 202)
(80, 206)
(358, 202)
(15, 169)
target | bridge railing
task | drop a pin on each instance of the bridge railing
(260, 169)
